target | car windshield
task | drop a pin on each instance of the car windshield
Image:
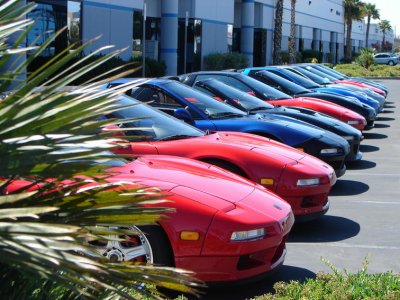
(105, 158)
(319, 73)
(301, 80)
(290, 87)
(268, 92)
(328, 71)
(150, 124)
(213, 109)
(236, 97)
(312, 76)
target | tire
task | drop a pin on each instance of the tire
(391, 63)
(150, 245)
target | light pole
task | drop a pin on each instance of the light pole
(144, 42)
(185, 42)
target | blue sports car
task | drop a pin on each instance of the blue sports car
(366, 96)
(294, 89)
(252, 105)
(340, 76)
(205, 113)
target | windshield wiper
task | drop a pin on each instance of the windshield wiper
(302, 93)
(225, 114)
(259, 108)
(176, 137)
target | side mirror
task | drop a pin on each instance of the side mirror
(184, 115)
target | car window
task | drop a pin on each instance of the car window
(229, 81)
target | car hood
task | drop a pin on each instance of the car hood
(274, 149)
(170, 172)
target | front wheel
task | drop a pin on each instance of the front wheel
(149, 244)
(391, 63)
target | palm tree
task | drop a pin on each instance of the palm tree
(277, 55)
(292, 50)
(385, 26)
(353, 11)
(371, 12)
(42, 224)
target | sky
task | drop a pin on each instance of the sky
(388, 10)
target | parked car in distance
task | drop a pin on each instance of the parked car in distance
(341, 76)
(222, 234)
(390, 59)
(252, 105)
(262, 90)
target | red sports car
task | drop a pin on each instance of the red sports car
(331, 109)
(225, 228)
(302, 180)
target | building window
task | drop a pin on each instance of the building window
(236, 39)
(193, 45)
(229, 36)
(137, 33)
(74, 22)
(50, 17)
(260, 47)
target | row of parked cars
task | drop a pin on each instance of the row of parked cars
(241, 155)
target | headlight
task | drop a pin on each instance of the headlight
(308, 182)
(348, 137)
(330, 151)
(248, 235)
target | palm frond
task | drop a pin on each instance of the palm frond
(48, 214)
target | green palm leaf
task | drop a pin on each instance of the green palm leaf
(46, 225)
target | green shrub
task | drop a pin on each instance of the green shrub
(366, 58)
(154, 68)
(285, 57)
(340, 285)
(374, 70)
(222, 61)
(309, 55)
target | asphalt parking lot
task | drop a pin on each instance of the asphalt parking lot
(363, 219)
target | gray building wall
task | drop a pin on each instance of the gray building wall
(318, 21)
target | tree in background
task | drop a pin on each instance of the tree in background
(384, 26)
(353, 11)
(371, 12)
(292, 40)
(277, 55)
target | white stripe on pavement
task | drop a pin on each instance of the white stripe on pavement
(343, 245)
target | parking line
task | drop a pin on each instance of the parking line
(374, 202)
(343, 245)
(372, 174)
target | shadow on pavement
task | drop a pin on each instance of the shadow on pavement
(387, 111)
(379, 125)
(368, 148)
(385, 119)
(360, 164)
(375, 136)
(348, 188)
(325, 229)
(251, 290)
(389, 106)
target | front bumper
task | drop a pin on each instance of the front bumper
(234, 269)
